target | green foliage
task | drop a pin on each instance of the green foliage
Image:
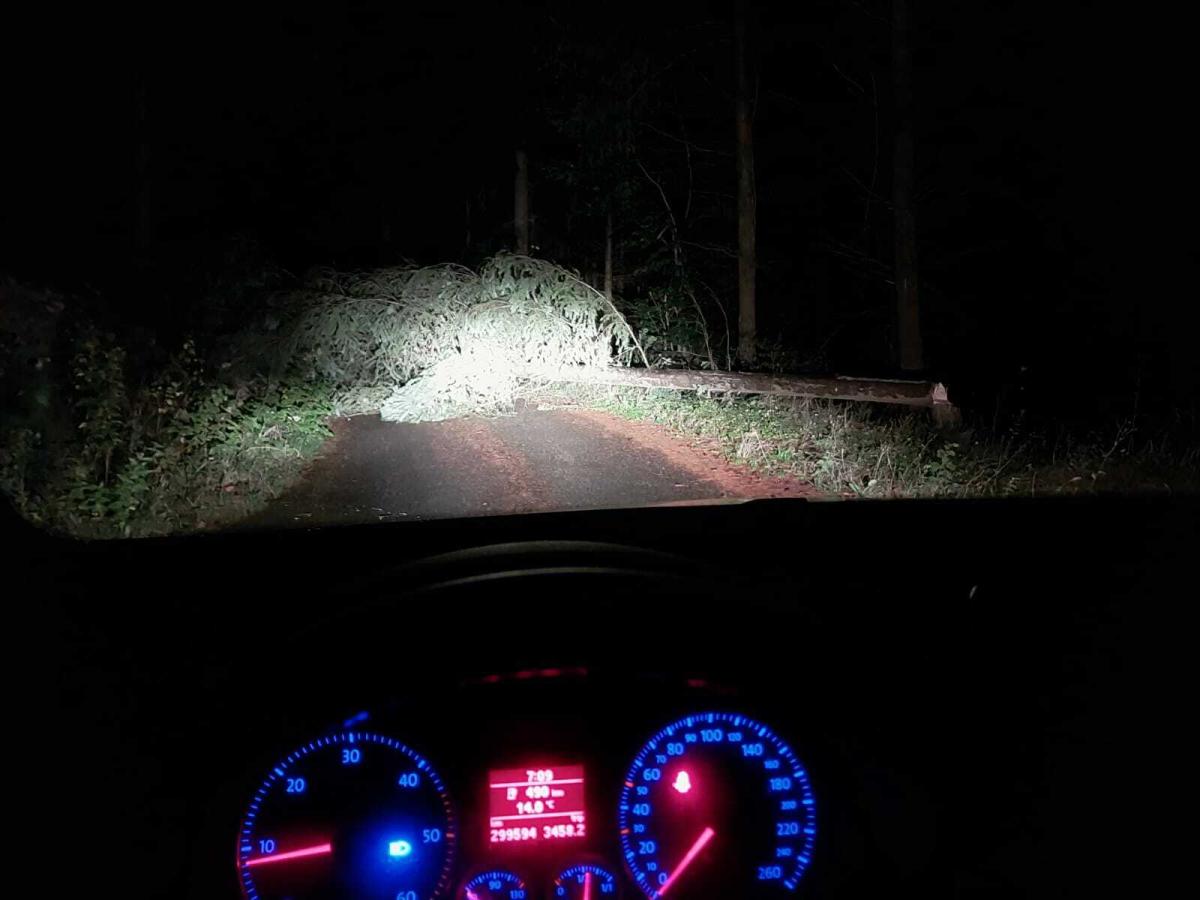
(99, 399)
(178, 452)
(217, 453)
(19, 455)
(672, 329)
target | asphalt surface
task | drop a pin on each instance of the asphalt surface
(532, 461)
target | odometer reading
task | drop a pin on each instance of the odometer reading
(537, 803)
(716, 805)
(354, 814)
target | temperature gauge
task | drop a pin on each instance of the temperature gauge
(495, 885)
(585, 882)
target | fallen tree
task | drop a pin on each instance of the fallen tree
(419, 344)
(925, 394)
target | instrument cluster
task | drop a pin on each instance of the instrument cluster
(555, 788)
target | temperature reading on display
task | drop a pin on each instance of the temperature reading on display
(543, 803)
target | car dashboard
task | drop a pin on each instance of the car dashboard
(544, 783)
(766, 700)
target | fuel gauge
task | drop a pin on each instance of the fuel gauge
(585, 882)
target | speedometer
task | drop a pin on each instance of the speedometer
(716, 805)
(354, 814)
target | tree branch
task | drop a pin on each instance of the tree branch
(868, 190)
(691, 145)
(857, 87)
(712, 248)
(677, 252)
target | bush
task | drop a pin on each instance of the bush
(672, 329)
(176, 452)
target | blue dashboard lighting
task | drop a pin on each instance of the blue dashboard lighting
(680, 791)
(498, 884)
(356, 719)
(350, 830)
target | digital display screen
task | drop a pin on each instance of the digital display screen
(533, 805)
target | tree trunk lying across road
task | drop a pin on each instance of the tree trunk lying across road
(872, 390)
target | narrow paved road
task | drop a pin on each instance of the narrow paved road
(532, 461)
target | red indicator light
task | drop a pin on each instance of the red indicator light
(318, 850)
(536, 804)
(683, 782)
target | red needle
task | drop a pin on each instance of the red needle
(705, 836)
(587, 886)
(315, 850)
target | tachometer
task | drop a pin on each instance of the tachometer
(716, 805)
(354, 814)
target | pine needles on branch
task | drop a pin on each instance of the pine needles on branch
(444, 340)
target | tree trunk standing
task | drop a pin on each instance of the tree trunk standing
(608, 256)
(907, 310)
(385, 224)
(467, 225)
(141, 175)
(746, 201)
(521, 204)
(619, 269)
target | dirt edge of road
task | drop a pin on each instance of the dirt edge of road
(705, 462)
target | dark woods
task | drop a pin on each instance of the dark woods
(871, 187)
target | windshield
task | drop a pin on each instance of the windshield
(388, 263)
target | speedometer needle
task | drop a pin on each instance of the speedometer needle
(705, 836)
(315, 850)
(587, 886)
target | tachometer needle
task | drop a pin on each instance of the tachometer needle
(705, 836)
(315, 850)
(587, 886)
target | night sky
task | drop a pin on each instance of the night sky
(375, 132)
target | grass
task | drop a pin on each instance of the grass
(860, 450)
